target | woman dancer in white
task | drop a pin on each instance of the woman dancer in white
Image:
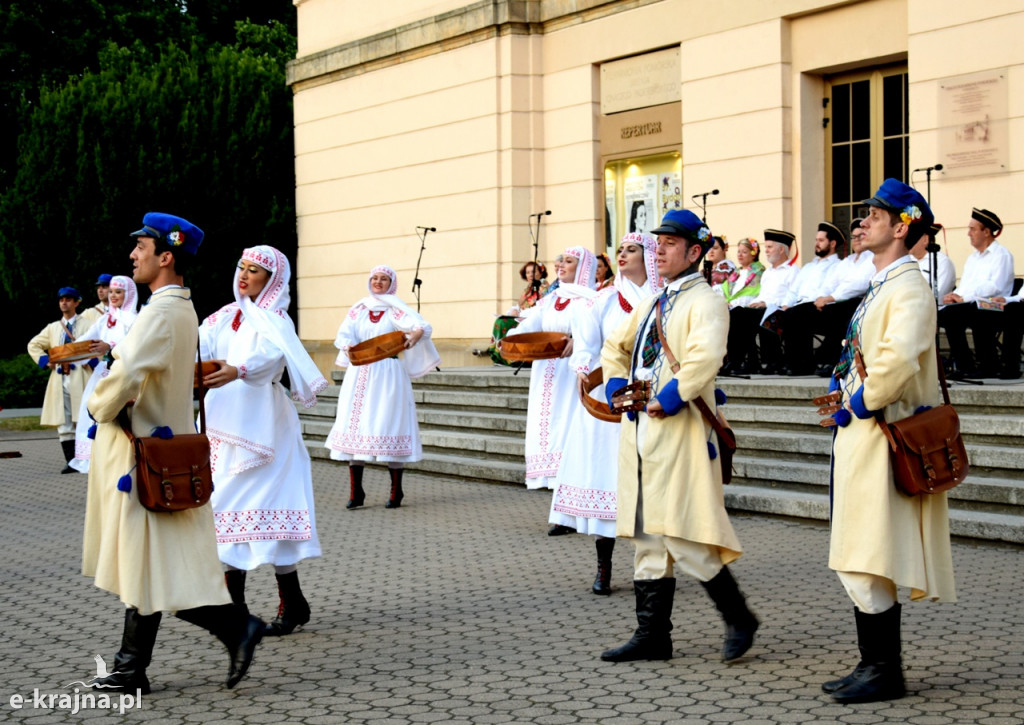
(553, 396)
(263, 485)
(107, 331)
(376, 412)
(584, 498)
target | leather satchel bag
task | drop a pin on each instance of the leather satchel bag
(173, 474)
(926, 450)
(717, 421)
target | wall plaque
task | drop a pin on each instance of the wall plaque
(641, 81)
(973, 134)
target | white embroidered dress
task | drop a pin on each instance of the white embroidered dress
(376, 419)
(110, 328)
(587, 480)
(263, 485)
(553, 396)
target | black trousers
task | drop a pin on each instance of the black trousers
(1013, 336)
(802, 322)
(984, 326)
(743, 326)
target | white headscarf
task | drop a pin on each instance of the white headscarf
(634, 293)
(584, 285)
(269, 316)
(129, 309)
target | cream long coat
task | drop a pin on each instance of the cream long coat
(153, 561)
(682, 486)
(53, 404)
(875, 528)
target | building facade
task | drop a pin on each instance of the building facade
(471, 116)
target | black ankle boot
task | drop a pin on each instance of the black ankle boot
(740, 624)
(356, 495)
(68, 447)
(395, 500)
(651, 640)
(293, 609)
(131, 661)
(603, 582)
(235, 579)
(879, 674)
(238, 630)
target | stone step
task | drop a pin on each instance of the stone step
(473, 443)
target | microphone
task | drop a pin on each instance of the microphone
(428, 229)
(937, 167)
(705, 194)
(542, 213)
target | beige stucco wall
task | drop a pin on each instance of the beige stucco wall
(418, 114)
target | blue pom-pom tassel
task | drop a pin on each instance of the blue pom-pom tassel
(843, 417)
(124, 483)
(162, 431)
(71, 366)
(92, 432)
(720, 397)
(712, 451)
(922, 409)
(93, 362)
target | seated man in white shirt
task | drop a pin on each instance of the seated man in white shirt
(988, 273)
(745, 322)
(816, 281)
(945, 280)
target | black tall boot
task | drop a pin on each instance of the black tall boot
(69, 452)
(136, 653)
(235, 627)
(293, 610)
(651, 640)
(395, 500)
(603, 582)
(356, 495)
(740, 623)
(235, 579)
(879, 675)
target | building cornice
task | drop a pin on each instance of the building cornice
(476, 22)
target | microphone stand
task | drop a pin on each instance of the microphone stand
(703, 206)
(417, 282)
(535, 285)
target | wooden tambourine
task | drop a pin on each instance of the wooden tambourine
(203, 369)
(377, 348)
(596, 408)
(72, 352)
(531, 346)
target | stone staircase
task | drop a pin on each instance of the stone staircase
(473, 420)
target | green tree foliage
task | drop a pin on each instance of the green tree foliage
(203, 131)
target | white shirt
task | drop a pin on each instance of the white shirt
(852, 276)
(775, 284)
(987, 274)
(812, 282)
(947, 273)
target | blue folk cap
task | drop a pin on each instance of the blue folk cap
(906, 201)
(69, 292)
(104, 280)
(179, 233)
(684, 223)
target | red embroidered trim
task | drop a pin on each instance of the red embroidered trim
(237, 322)
(263, 525)
(626, 307)
(376, 317)
(561, 304)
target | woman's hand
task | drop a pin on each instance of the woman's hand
(568, 349)
(222, 376)
(411, 338)
(99, 347)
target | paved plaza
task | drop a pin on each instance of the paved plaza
(457, 608)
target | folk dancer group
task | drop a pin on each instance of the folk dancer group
(666, 325)
(654, 477)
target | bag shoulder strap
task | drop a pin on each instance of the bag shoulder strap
(126, 425)
(720, 430)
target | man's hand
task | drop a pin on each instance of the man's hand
(757, 305)
(222, 376)
(822, 301)
(654, 409)
(99, 347)
(952, 299)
